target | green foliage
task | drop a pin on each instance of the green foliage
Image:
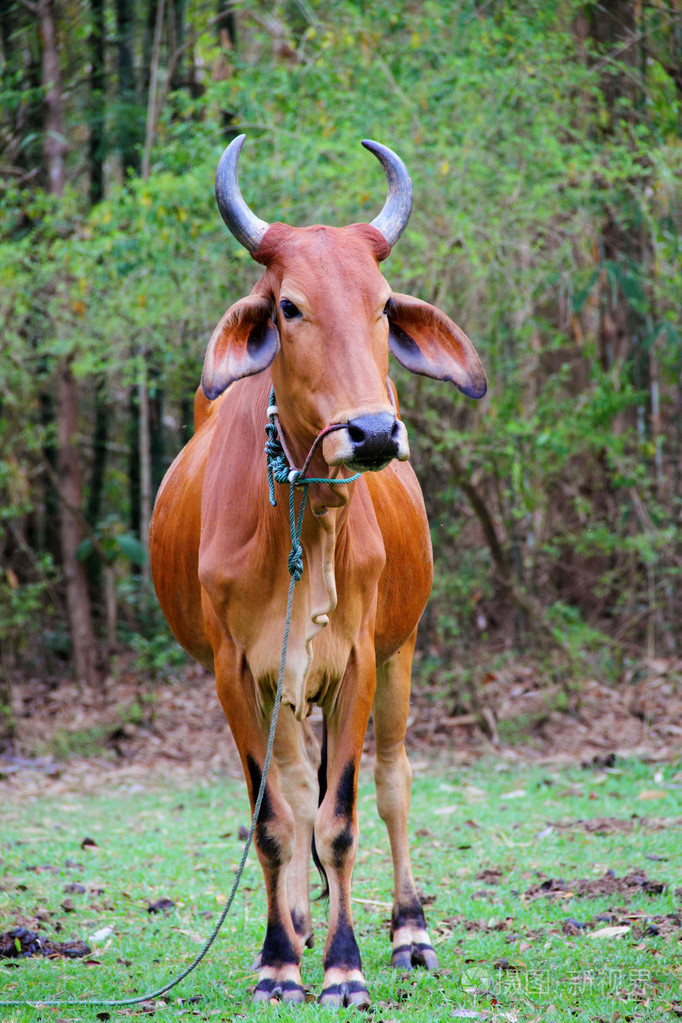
(547, 222)
(157, 653)
(113, 545)
(22, 604)
(144, 630)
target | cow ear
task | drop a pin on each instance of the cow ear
(426, 341)
(244, 342)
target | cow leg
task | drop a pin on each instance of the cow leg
(393, 778)
(274, 837)
(297, 756)
(336, 830)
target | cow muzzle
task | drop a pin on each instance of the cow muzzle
(367, 443)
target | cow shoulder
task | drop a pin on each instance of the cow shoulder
(406, 580)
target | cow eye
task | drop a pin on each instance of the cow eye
(289, 310)
(390, 309)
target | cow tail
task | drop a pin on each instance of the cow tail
(322, 783)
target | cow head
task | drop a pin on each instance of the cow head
(323, 317)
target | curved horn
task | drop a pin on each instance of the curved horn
(247, 228)
(393, 218)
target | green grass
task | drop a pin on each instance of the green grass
(503, 955)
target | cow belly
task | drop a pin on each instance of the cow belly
(174, 549)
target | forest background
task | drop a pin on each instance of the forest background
(544, 140)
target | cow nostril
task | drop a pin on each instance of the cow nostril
(374, 438)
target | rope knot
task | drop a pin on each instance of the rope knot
(276, 460)
(296, 562)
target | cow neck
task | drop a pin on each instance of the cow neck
(318, 537)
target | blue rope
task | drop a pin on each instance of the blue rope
(278, 469)
(277, 464)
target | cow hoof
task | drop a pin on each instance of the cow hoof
(351, 992)
(272, 990)
(424, 956)
(406, 957)
(401, 958)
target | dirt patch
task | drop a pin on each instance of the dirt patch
(638, 926)
(22, 943)
(140, 729)
(666, 926)
(616, 825)
(490, 875)
(606, 885)
(132, 726)
(517, 712)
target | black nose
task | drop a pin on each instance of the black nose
(374, 438)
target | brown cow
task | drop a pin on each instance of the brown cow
(317, 328)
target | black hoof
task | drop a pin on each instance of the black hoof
(352, 993)
(272, 990)
(402, 957)
(406, 957)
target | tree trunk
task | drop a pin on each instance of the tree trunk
(96, 487)
(50, 538)
(156, 440)
(226, 26)
(54, 143)
(150, 22)
(128, 121)
(77, 600)
(134, 461)
(110, 606)
(97, 144)
(152, 111)
(142, 389)
(178, 28)
(145, 468)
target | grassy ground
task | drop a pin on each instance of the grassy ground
(487, 842)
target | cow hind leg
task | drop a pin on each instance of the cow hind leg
(279, 966)
(393, 778)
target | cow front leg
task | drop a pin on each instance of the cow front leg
(393, 778)
(297, 755)
(336, 831)
(279, 963)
